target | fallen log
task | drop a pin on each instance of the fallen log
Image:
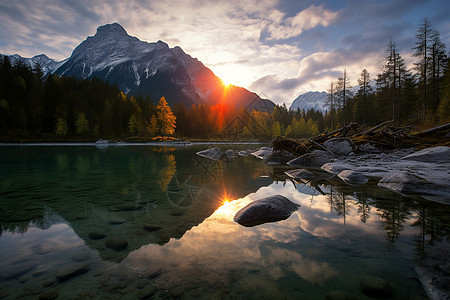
(433, 130)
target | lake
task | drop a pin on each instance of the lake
(127, 222)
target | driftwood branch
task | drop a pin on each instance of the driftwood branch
(376, 127)
(433, 130)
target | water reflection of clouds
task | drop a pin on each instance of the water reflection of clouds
(218, 246)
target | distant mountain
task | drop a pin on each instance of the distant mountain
(46, 64)
(306, 101)
(151, 69)
(317, 100)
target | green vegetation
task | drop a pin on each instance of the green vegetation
(67, 108)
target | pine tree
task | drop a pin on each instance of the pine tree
(363, 92)
(422, 50)
(166, 117)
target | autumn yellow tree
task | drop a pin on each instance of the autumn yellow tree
(165, 117)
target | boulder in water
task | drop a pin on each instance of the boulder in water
(212, 153)
(353, 177)
(269, 209)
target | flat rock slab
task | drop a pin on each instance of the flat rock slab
(270, 209)
(116, 244)
(405, 182)
(299, 174)
(353, 177)
(71, 271)
(432, 154)
(309, 160)
(376, 287)
(212, 153)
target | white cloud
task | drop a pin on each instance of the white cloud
(308, 18)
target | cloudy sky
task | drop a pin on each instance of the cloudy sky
(277, 48)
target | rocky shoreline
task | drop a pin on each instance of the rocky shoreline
(423, 173)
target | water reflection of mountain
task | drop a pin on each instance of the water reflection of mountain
(144, 195)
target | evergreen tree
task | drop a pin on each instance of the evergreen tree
(422, 51)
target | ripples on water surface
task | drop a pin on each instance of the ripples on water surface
(175, 211)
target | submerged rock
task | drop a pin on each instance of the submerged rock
(116, 244)
(432, 154)
(376, 287)
(96, 235)
(353, 177)
(269, 209)
(213, 153)
(309, 160)
(299, 174)
(262, 152)
(71, 271)
(340, 146)
(278, 157)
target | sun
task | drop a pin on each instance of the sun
(225, 83)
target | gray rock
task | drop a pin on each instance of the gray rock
(246, 153)
(230, 153)
(299, 174)
(368, 147)
(340, 146)
(49, 295)
(116, 244)
(71, 271)
(213, 153)
(433, 154)
(96, 235)
(376, 287)
(262, 152)
(336, 167)
(405, 182)
(278, 157)
(309, 160)
(269, 209)
(353, 177)
(339, 295)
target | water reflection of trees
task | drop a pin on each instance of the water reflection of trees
(394, 212)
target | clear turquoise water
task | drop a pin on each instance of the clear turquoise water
(52, 198)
